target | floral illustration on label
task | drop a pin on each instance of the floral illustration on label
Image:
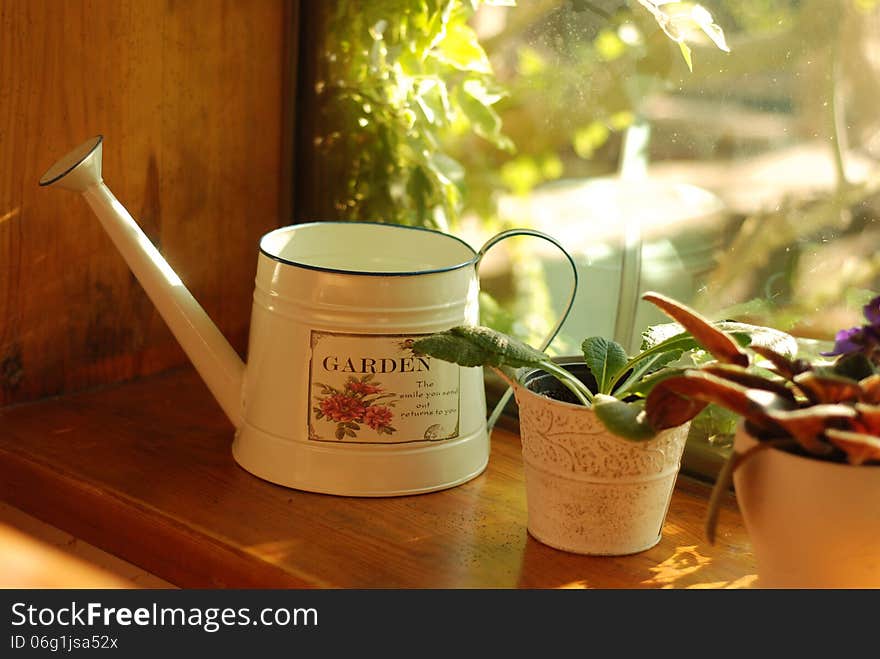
(374, 389)
(361, 402)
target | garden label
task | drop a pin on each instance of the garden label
(367, 388)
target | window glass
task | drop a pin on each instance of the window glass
(723, 153)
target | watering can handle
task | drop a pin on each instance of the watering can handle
(511, 233)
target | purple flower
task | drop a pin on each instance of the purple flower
(864, 339)
(847, 342)
(872, 312)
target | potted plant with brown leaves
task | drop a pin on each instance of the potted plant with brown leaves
(806, 459)
(599, 472)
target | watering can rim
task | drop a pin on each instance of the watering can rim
(473, 260)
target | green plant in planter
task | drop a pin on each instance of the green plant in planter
(826, 410)
(624, 384)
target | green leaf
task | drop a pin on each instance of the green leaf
(690, 21)
(530, 62)
(521, 174)
(659, 333)
(686, 53)
(588, 139)
(435, 30)
(450, 348)
(483, 346)
(643, 384)
(573, 384)
(714, 421)
(609, 46)
(493, 315)
(479, 346)
(606, 359)
(621, 120)
(757, 335)
(665, 343)
(419, 188)
(627, 420)
(511, 352)
(744, 334)
(446, 168)
(642, 365)
(477, 89)
(686, 21)
(551, 166)
(429, 100)
(672, 336)
(461, 49)
(660, 360)
(476, 101)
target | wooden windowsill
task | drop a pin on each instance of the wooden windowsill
(144, 471)
(28, 562)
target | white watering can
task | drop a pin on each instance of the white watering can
(333, 398)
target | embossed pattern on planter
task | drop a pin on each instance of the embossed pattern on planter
(565, 438)
(589, 491)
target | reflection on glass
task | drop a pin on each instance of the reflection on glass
(747, 186)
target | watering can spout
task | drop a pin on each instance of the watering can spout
(214, 358)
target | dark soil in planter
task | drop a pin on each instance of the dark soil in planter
(544, 384)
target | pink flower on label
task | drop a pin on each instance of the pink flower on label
(362, 388)
(342, 408)
(378, 416)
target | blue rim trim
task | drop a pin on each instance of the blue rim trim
(410, 273)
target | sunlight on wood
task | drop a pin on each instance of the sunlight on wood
(277, 549)
(10, 215)
(34, 554)
(686, 560)
(26, 562)
(574, 585)
(682, 568)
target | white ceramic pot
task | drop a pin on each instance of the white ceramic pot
(589, 491)
(812, 524)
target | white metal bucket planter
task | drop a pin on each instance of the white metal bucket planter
(589, 491)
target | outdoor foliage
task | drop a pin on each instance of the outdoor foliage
(402, 76)
(407, 87)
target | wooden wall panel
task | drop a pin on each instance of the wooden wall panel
(189, 97)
